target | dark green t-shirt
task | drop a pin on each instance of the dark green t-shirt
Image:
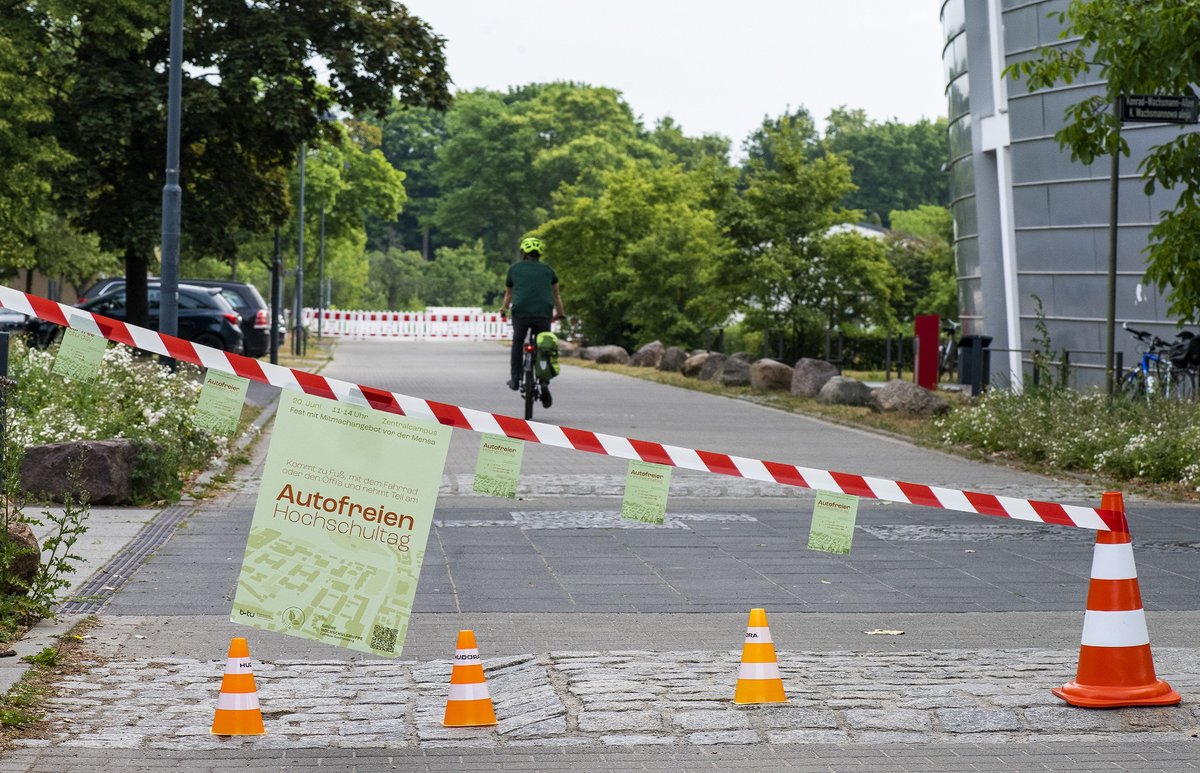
(531, 282)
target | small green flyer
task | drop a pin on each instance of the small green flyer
(832, 528)
(339, 529)
(499, 466)
(646, 488)
(220, 403)
(79, 355)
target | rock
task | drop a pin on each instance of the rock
(26, 556)
(105, 474)
(745, 357)
(673, 359)
(810, 375)
(692, 365)
(735, 372)
(906, 397)
(608, 354)
(770, 374)
(712, 366)
(840, 390)
(649, 356)
(567, 348)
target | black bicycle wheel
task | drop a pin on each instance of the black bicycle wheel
(1132, 387)
(530, 386)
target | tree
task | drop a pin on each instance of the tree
(410, 138)
(919, 250)
(1147, 47)
(396, 277)
(895, 165)
(252, 97)
(459, 276)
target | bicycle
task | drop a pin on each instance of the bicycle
(948, 349)
(1157, 373)
(532, 388)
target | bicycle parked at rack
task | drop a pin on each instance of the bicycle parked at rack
(1163, 369)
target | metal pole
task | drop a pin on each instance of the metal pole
(298, 305)
(276, 299)
(172, 194)
(1113, 197)
(321, 279)
(4, 384)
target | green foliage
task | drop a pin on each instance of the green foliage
(396, 277)
(920, 252)
(410, 138)
(459, 277)
(638, 261)
(1148, 47)
(131, 398)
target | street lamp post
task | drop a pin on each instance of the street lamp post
(321, 279)
(172, 193)
(298, 305)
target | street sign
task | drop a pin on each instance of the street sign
(1154, 108)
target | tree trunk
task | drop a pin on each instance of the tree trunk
(136, 285)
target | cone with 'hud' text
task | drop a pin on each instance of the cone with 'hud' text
(237, 706)
(1115, 665)
(758, 676)
(469, 704)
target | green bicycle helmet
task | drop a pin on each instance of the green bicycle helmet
(532, 244)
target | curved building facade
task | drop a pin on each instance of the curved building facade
(1030, 223)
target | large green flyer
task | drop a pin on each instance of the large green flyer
(221, 401)
(79, 355)
(340, 525)
(646, 488)
(832, 529)
(498, 467)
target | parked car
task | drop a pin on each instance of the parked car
(11, 320)
(205, 317)
(245, 300)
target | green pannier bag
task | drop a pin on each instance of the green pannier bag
(545, 362)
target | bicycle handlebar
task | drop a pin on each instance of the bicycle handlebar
(1142, 335)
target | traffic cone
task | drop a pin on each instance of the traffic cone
(469, 704)
(1115, 665)
(758, 677)
(237, 705)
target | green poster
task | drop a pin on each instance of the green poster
(498, 466)
(832, 528)
(79, 355)
(646, 487)
(220, 403)
(340, 525)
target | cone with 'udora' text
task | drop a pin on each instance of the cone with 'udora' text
(469, 704)
(237, 706)
(1115, 665)
(758, 676)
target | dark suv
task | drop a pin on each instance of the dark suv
(245, 300)
(205, 317)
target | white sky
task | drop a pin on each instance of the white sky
(714, 66)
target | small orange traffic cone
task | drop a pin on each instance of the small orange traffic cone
(1115, 665)
(237, 705)
(758, 677)
(469, 704)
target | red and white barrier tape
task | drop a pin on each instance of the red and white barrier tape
(564, 437)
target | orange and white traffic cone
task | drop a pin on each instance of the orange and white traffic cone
(469, 704)
(1115, 665)
(758, 676)
(237, 705)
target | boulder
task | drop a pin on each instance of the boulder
(673, 359)
(609, 354)
(26, 557)
(906, 397)
(649, 356)
(712, 367)
(770, 374)
(567, 348)
(692, 366)
(745, 357)
(841, 390)
(735, 372)
(105, 474)
(810, 375)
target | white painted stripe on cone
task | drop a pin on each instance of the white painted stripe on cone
(756, 635)
(472, 654)
(1115, 629)
(759, 671)
(237, 666)
(1113, 562)
(469, 692)
(237, 701)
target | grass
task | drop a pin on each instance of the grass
(21, 707)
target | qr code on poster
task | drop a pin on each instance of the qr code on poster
(383, 638)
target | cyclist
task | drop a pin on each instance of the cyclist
(531, 290)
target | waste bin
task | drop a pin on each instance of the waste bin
(966, 361)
